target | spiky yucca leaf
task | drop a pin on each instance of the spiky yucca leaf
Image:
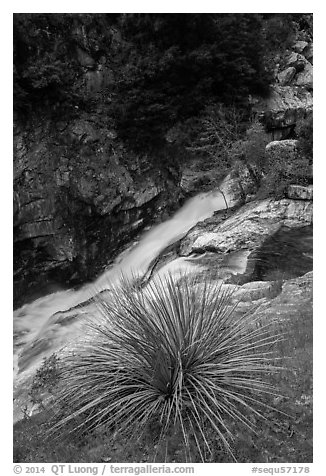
(175, 351)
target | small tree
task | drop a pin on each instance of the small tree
(219, 127)
(250, 150)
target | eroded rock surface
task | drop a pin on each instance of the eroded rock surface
(285, 106)
(248, 227)
(290, 98)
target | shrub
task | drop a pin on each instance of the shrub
(173, 356)
(285, 166)
(278, 179)
(219, 127)
(250, 150)
(304, 131)
(280, 31)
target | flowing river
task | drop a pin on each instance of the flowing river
(50, 322)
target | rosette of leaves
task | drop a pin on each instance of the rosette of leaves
(175, 355)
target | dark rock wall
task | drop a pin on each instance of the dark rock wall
(78, 197)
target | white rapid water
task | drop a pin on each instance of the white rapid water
(50, 322)
(160, 236)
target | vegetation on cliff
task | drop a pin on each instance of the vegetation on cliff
(160, 69)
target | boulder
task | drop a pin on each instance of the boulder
(256, 290)
(285, 77)
(84, 131)
(299, 46)
(308, 53)
(305, 78)
(237, 185)
(285, 106)
(297, 61)
(302, 63)
(299, 192)
(283, 151)
(249, 292)
(303, 67)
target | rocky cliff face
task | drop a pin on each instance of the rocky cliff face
(290, 98)
(78, 197)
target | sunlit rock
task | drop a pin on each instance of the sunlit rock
(249, 226)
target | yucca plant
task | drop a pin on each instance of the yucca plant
(175, 354)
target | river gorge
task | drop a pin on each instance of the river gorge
(163, 237)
